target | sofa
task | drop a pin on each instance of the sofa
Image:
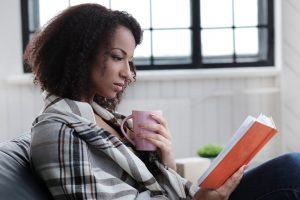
(17, 181)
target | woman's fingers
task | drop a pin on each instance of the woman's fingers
(159, 119)
(157, 128)
(152, 127)
(160, 127)
(229, 186)
(235, 179)
(157, 139)
(161, 138)
(223, 192)
(160, 144)
(165, 147)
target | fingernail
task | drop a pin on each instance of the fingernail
(152, 115)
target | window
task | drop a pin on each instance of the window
(183, 34)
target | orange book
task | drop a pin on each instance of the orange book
(248, 140)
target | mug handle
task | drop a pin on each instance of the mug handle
(122, 129)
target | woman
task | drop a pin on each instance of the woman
(83, 61)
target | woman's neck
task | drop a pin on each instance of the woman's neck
(103, 124)
(88, 100)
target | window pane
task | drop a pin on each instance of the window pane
(245, 13)
(246, 41)
(171, 43)
(171, 14)
(217, 42)
(144, 49)
(101, 2)
(140, 9)
(49, 9)
(216, 13)
(142, 52)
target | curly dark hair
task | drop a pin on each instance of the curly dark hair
(62, 53)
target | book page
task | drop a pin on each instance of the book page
(266, 120)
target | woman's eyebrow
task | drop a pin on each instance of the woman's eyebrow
(123, 51)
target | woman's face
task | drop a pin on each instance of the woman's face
(112, 69)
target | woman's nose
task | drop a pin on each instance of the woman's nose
(126, 72)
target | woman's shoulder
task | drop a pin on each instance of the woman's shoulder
(47, 130)
(53, 119)
(57, 127)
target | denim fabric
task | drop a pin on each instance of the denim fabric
(277, 179)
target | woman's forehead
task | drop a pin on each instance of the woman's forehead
(123, 40)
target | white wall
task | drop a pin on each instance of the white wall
(205, 109)
(201, 106)
(10, 38)
(10, 64)
(291, 74)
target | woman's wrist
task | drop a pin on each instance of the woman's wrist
(172, 166)
(170, 161)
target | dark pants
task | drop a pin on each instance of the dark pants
(277, 179)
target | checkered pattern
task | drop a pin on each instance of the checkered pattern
(79, 160)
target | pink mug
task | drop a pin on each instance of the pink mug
(141, 117)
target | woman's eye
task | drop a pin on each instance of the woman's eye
(116, 58)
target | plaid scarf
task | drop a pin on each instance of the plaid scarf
(79, 160)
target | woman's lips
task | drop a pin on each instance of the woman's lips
(118, 86)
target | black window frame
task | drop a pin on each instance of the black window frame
(196, 56)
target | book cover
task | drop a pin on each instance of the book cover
(248, 140)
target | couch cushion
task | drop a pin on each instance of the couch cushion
(16, 178)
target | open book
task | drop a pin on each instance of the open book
(252, 135)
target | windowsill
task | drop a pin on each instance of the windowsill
(20, 79)
(190, 74)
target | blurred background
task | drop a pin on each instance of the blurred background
(207, 64)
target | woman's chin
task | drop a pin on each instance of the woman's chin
(108, 96)
(112, 96)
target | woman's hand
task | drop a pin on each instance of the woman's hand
(162, 139)
(223, 192)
